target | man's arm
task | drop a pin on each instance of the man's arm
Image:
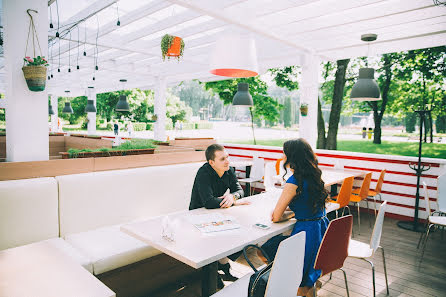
(206, 193)
(235, 187)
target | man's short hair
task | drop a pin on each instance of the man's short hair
(210, 151)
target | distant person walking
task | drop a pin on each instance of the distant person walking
(130, 128)
(116, 127)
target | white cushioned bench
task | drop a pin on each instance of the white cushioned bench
(92, 206)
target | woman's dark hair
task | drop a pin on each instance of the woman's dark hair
(301, 158)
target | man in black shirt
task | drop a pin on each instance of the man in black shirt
(216, 186)
(213, 180)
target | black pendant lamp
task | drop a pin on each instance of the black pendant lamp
(242, 97)
(67, 108)
(50, 109)
(90, 106)
(122, 105)
(366, 88)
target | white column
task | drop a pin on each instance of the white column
(160, 109)
(55, 116)
(91, 95)
(309, 87)
(27, 112)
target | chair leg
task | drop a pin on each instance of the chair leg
(346, 284)
(368, 212)
(359, 219)
(373, 276)
(422, 235)
(374, 199)
(425, 241)
(331, 274)
(385, 270)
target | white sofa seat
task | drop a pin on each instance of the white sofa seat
(28, 211)
(70, 251)
(108, 248)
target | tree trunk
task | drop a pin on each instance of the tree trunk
(321, 140)
(378, 116)
(252, 126)
(431, 127)
(336, 106)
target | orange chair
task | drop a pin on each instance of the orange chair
(342, 199)
(377, 191)
(334, 248)
(363, 192)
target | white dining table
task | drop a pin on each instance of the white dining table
(203, 250)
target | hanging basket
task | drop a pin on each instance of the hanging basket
(304, 111)
(172, 46)
(35, 77)
(174, 49)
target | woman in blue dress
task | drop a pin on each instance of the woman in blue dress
(304, 197)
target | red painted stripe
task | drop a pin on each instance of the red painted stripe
(390, 171)
(403, 184)
(374, 159)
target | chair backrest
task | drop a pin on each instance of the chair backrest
(364, 191)
(279, 164)
(441, 188)
(379, 184)
(286, 273)
(334, 246)
(270, 172)
(377, 230)
(427, 201)
(258, 168)
(345, 192)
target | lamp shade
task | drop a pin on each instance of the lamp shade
(242, 97)
(234, 56)
(122, 104)
(50, 110)
(67, 108)
(366, 88)
(90, 106)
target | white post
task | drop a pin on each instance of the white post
(309, 87)
(160, 110)
(27, 112)
(91, 116)
(55, 116)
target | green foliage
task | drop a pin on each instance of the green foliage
(287, 113)
(38, 61)
(166, 43)
(440, 124)
(203, 125)
(265, 107)
(149, 126)
(136, 144)
(177, 110)
(410, 122)
(286, 77)
(139, 126)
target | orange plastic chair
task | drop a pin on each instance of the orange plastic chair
(334, 248)
(377, 191)
(343, 198)
(363, 194)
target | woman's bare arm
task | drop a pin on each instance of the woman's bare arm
(288, 193)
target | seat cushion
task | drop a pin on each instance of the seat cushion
(359, 249)
(108, 248)
(70, 251)
(371, 193)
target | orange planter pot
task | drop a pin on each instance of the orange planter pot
(175, 48)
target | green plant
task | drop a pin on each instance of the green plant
(137, 144)
(38, 61)
(166, 43)
(304, 105)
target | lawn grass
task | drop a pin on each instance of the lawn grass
(430, 150)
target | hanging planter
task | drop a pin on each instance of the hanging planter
(304, 109)
(34, 69)
(172, 46)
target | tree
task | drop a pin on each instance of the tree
(287, 112)
(177, 110)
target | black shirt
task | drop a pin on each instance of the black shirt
(208, 186)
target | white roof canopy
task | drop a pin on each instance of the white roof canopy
(284, 31)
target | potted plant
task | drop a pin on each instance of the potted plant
(172, 46)
(304, 109)
(35, 73)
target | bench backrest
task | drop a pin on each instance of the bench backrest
(91, 200)
(28, 211)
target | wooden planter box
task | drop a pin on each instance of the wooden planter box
(109, 153)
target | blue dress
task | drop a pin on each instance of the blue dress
(315, 231)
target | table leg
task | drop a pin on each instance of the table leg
(334, 190)
(209, 279)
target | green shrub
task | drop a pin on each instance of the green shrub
(169, 124)
(203, 125)
(149, 126)
(139, 126)
(410, 121)
(187, 126)
(440, 124)
(137, 144)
